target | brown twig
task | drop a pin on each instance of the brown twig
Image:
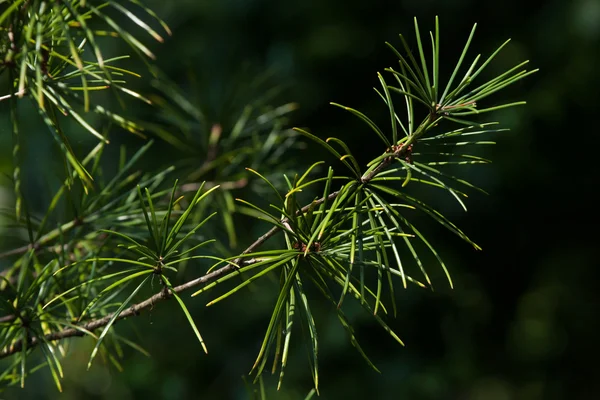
(162, 295)
(128, 312)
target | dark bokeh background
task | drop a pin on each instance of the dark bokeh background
(521, 321)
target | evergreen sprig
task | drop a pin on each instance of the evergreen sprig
(355, 239)
(53, 56)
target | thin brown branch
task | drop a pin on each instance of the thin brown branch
(47, 238)
(128, 312)
(13, 252)
(7, 318)
(163, 295)
(366, 178)
(239, 261)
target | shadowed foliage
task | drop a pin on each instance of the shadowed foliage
(113, 241)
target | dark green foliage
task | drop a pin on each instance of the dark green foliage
(355, 239)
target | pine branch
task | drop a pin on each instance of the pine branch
(135, 309)
(50, 237)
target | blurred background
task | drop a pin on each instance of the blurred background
(522, 318)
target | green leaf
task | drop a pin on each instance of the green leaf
(440, 182)
(137, 21)
(348, 154)
(144, 250)
(344, 195)
(436, 215)
(275, 317)
(267, 181)
(325, 197)
(23, 355)
(171, 250)
(135, 44)
(114, 317)
(252, 279)
(392, 215)
(120, 282)
(353, 237)
(289, 322)
(10, 9)
(423, 62)
(368, 121)
(391, 241)
(390, 104)
(63, 143)
(382, 263)
(88, 282)
(436, 57)
(327, 146)
(198, 197)
(52, 361)
(185, 311)
(276, 256)
(345, 323)
(458, 64)
(312, 329)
